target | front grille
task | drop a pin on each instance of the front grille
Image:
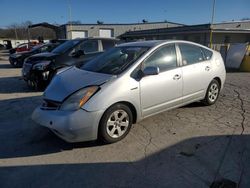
(50, 105)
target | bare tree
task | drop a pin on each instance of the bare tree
(20, 31)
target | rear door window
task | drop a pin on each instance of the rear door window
(89, 46)
(190, 54)
(107, 44)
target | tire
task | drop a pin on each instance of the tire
(36, 83)
(212, 93)
(17, 64)
(120, 120)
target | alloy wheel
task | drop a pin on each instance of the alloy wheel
(117, 124)
(213, 92)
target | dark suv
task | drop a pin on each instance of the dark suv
(39, 69)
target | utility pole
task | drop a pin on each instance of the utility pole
(211, 26)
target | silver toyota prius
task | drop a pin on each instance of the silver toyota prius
(132, 81)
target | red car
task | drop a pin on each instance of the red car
(24, 47)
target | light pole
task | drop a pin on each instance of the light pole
(211, 26)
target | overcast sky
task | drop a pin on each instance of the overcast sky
(116, 11)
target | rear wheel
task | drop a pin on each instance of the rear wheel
(213, 92)
(115, 123)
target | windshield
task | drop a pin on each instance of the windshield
(115, 60)
(65, 46)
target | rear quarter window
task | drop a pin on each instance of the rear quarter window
(207, 53)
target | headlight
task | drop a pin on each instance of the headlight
(42, 65)
(78, 99)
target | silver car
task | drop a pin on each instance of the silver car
(126, 84)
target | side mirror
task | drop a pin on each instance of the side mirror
(78, 53)
(151, 71)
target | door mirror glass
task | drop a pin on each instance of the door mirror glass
(151, 71)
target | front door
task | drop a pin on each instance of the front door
(162, 91)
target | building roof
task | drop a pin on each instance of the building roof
(44, 24)
(53, 26)
(125, 24)
(229, 27)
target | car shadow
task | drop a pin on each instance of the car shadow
(14, 85)
(194, 105)
(22, 137)
(194, 162)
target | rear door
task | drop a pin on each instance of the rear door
(196, 71)
(162, 91)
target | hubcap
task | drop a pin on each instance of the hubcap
(117, 123)
(213, 92)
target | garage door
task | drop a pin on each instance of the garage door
(79, 34)
(106, 33)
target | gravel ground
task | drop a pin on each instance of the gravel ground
(191, 146)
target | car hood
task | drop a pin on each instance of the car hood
(70, 81)
(19, 54)
(42, 56)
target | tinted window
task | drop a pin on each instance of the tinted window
(190, 54)
(65, 46)
(164, 58)
(115, 60)
(89, 46)
(207, 53)
(106, 44)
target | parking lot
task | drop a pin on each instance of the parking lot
(192, 146)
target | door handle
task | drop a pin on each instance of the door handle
(207, 68)
(177, 77)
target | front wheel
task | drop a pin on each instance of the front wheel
(213, 92)
(115, 123)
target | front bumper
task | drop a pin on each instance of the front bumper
(71, 126)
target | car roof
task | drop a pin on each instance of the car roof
(149, 43)
(100, 38)
(153, 43)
